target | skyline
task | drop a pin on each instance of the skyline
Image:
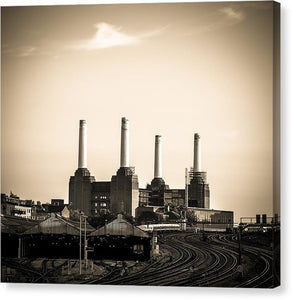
(174, 74)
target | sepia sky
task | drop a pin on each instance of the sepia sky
(171, 69)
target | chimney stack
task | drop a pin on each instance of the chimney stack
(82, 158)
(125, 151)
(197, 153)
(158, 157)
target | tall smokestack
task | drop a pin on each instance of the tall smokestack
(158, 157)
(197, 153)
(82, 158)
(125, 153)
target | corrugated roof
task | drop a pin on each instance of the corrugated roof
(58, 225)
(16, 225)
(120, 226)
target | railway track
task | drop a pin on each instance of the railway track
(114, 277)
(190, 262)
(24, 267)
(190, 266)
(182, 259)
(213, 274)
(198, 263)
(264, 277)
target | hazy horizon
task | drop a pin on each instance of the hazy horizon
(171, 69)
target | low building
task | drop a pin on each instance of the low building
(57, 207)
(22, 211)
(57, 202)
(210, 219)
(120, 240)
(210, 215)
(14, 206)
(38, 212)
(55, 237)
(12, 229)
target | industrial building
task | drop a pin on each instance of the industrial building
(124, 185)
(198, 188)
(55, 237)
(80, 185)
(58, 237)
(120, 195)
(123, 195)
(196, 194)
(120, 240)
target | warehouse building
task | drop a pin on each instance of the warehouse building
(120, 240)
(55, 237)
(58, 237)
(12, 229)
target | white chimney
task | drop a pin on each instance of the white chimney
(125, 151)
(197, 153)
(82, 158)
(158, 157)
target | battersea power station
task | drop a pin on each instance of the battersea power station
(122, 193)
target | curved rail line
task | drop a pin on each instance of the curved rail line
(211, 265)
(226, 267)
(148, 271)
(24, 266)
(265, 277)
(189, 262)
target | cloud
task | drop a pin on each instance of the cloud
(26, 51)
(23, 51)
(221, 18)
(108, 36)
(232, 15)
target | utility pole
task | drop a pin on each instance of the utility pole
(239, 266)
(19, 246)
(239, 244)
(273, 253)
(154, 241)
(187, 188)
(203, 236)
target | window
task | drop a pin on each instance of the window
(102, 204)
(138, 249)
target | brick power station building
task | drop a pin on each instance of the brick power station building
(123, 195)
(120, 195)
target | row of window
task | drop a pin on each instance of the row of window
(22, 211)
(101, 211)
(101, 197)
(101, 204)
